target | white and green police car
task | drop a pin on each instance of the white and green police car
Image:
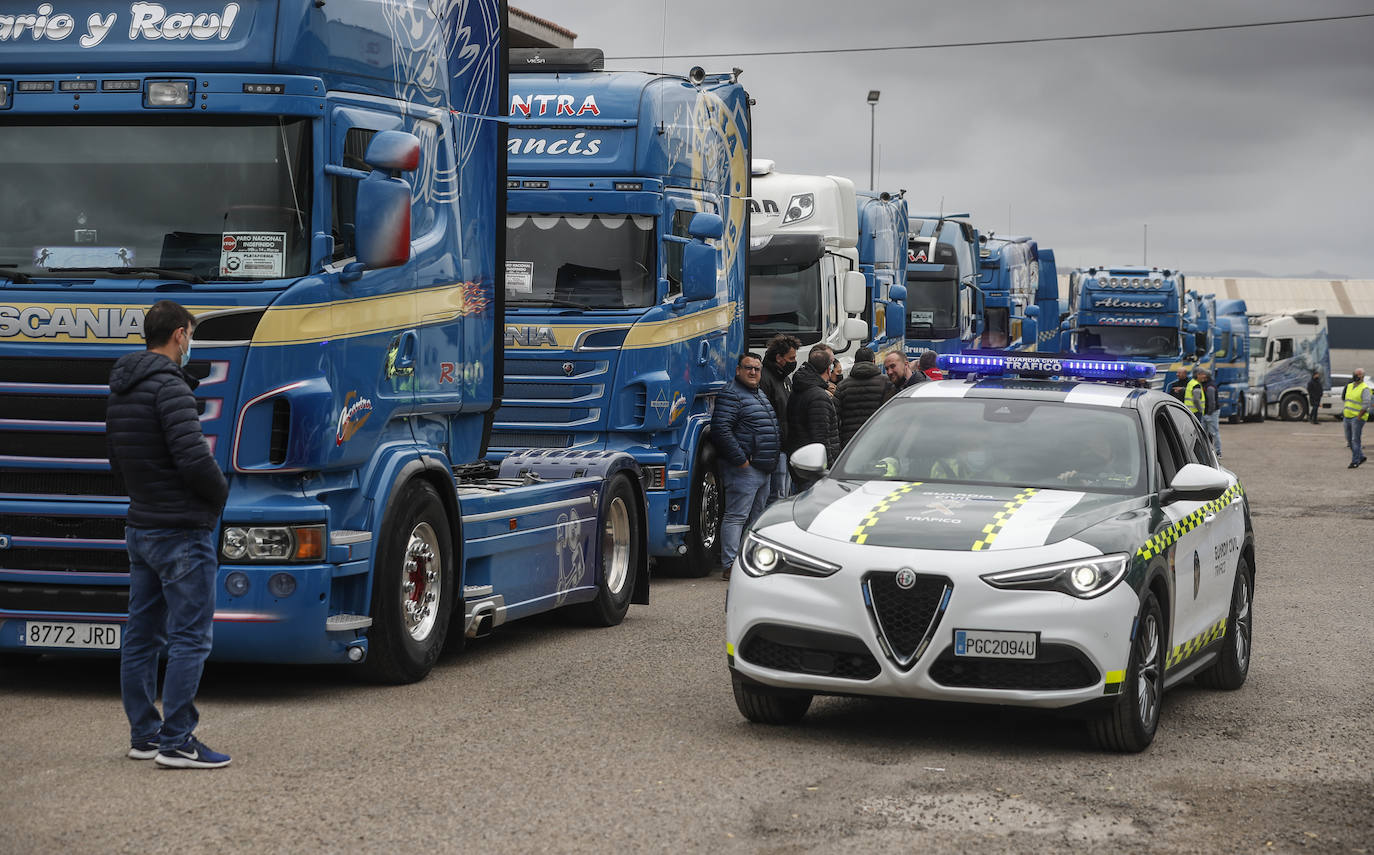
(1003, 540)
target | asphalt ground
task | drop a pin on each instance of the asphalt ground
(551, 737)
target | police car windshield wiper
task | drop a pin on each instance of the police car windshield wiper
(547, 302)
(181, 274)
(8, 271)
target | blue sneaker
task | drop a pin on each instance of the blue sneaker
(192, 754)
(145, 750)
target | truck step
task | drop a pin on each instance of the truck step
(342, 623)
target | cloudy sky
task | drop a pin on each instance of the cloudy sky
(1243, 150)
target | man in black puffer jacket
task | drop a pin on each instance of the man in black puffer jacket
(779, 361)
(176, 493)
(861, 394)
(744, 430)
(811, 415)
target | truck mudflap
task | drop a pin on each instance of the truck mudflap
(555, 464)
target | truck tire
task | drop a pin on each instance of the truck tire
(705, 510)
(620, 555)
(1232, 667)
(769, 707)
(1293, 407)
(413, 589)
(1130, 725)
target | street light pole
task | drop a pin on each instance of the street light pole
(872, 133)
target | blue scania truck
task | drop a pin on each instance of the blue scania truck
(1132, 313)
(615, 179)
(322, 185)
(1020, 285)
(944, 304)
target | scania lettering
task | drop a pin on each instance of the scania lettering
(291, 173)
(626, 242)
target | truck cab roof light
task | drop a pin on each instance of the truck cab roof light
(535, 185)
(77, 86)
(629, 185)
(33, 86)
(121, 85)
(168, 93)
(264, 88)
(1043, 365)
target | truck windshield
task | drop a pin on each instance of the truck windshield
(785, 298)
(194, 197)
(592, 261)
(1129, 341)
(932, 305)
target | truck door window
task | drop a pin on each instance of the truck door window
(673, 244)
(1285, 347)
(345, 191)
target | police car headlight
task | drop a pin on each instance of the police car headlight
(1091, 577)
(759, 557)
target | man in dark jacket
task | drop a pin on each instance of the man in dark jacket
(176, 493)
(779, 361)
(744, 430)
(861, 394)
(811, 414)
(899, 371)
(1315, 389)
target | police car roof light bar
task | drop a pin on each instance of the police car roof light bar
(1043, 365)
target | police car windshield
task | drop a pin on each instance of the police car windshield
(784, 298)
(1128, 341)
(599, 261)
(196, 197)
(999, 442)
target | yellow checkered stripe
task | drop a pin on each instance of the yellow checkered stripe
(871, 518)
(999, 519)
(1190, 648)
(1112, 683)
(1167, 537)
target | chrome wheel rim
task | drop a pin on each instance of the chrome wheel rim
(1148, 673)
(421, 585)
(615, 546)
(1243, 622)
(710, 510)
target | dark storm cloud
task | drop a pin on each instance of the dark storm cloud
(1242, 149)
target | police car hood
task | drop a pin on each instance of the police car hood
(960, 517)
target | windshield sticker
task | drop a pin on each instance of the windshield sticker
(258, 254)
(86, 257)
(149, 21)
(923, 317)
(520, 277)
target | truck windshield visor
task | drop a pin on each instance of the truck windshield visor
(194, 198)
(591, 261)
(999, 442)
(784, 298)
(1129, 341)
(932, 307)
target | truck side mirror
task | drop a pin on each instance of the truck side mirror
(382, 238)
(396, 151)
(855, 329)
(855, 292)
(705, 225)
(896, 313)
(698, 271)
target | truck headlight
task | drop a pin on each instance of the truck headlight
(1085, 579)
(272, 543)
(759, 557)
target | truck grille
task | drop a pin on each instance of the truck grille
(906, 618)
(507, 439)
(45, 482)
(564, 394)
(99, 599)
(65, 559)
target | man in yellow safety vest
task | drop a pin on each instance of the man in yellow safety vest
(1356, 414)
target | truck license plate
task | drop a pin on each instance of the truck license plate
(84, 636)
(990, 644)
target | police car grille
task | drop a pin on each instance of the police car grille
(67, 598)
(808, 652)
(907, 617)
(1056, 667)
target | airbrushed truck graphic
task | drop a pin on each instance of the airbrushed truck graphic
(626, 246)
(321, 184)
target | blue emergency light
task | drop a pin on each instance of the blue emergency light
(1043, 365)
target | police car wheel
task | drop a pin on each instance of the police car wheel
(620, 555)
(412, 588)
(763, 706)
(1233, 665)
(1130, 725)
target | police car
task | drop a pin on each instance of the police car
(1006, 540)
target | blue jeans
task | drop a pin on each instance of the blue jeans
(171, 602)
(1353, 429)
(780, 486)
(1212, 422)
(746, 495)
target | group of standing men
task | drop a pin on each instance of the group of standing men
(775, 407)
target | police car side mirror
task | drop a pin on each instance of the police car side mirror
(810, 458)
(1198, 483)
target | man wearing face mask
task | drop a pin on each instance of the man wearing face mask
(779, 361)
(176, 493)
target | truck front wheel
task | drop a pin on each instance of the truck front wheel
(412, 588)
(705, 510)
(1293, 407)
